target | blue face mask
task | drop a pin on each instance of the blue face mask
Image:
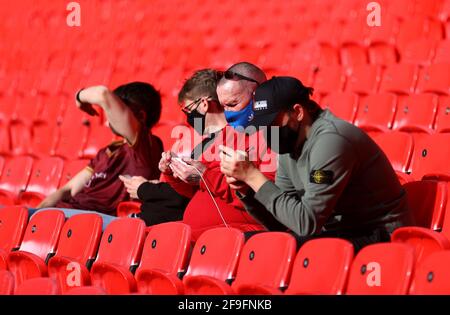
(240, 118)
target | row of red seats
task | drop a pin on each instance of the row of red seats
(27, 181)
(413, 156)
(266, 264)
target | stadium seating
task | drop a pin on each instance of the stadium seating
(14, 179)
(427, 157)
(164, 259)
(38, 245)
(44, 180)
(13, 220)
(265, 264)
(416, 113)
(77, 249)
(313, 273)
(376, 112)
(382, 269)
(214, 259)
(119, 252)
(6, 283)
(398, 147)
(393, 81)
(431, 277)
(38, 286)
(343, 105)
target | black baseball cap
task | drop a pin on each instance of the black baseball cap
(276, 95)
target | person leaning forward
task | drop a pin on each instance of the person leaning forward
(332, 179)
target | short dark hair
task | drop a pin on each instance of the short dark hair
(141, 96)
(202, 83)
(309, 104)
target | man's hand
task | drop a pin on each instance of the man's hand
(164, 163)
(235, 165)
(237, 185)
(132, 184)
(188, 172)
(86, 107)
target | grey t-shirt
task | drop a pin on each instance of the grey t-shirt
(341, 181)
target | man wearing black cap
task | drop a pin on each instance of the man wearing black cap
(332, 179)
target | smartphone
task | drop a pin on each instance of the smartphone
(178, 159)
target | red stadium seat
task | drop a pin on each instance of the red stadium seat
(425, 241)
(44, 180)
(72, 168)
(6, 283)
(126, 208)
(99, 137)
(343, 105)
(314, 274)
(214, 259)
(77, 247)
(400, 78)
(86, 291)
(265, 264)
(70, 144)
(427, 201)
(382, 54)
(2, 164)
(382, 269)
(329, 79)
(45, 136)
(120, 250)
(416, 113)
(20, 138)
(435, 78)
(164, 258)
(5, 141)
(376, 112)
(38, 286)
(398, 147)
(442, 54)
(443, 115)
(14, 180)
(364, 79)
(419, 52)
(418, 27)
(315, 54)
(353, 55)
(428, 157)
(431, 277)
(39, 243)
(13, 220)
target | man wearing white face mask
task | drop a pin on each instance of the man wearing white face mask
(235, 91)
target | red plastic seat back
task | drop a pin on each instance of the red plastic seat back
(376, 112)
(427, 201)
(86, 291)
(6, 283)
(122, 241)
(16, 174)
(266, 259)
(343, 105)
(216, 254)
(38, 286)
(431, 276)
(384, 268)
(430, 157)
(416, 113)
(398, 147)
(80, 237)
(443, 115)
(13, 221)
(72, 168)
(321, 267)
(166, 248)
(46, 175)
(42, 233)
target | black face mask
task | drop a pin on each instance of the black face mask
(285, 142)
(196, 121)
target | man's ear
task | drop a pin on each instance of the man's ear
(204, 105)
(299, 112)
